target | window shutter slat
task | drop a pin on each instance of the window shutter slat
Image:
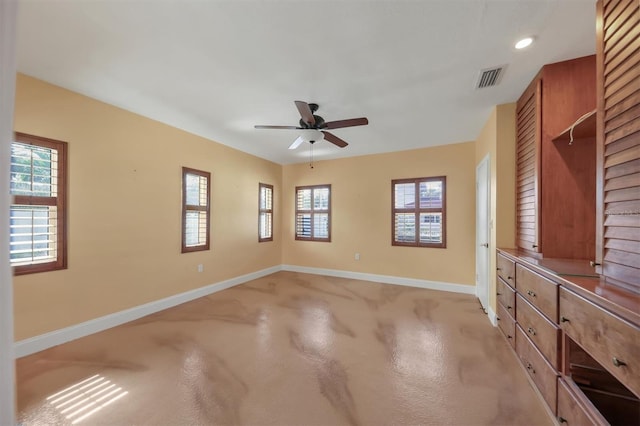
(418, 211)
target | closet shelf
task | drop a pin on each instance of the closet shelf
(581, 129)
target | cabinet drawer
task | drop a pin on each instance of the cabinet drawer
(610, 340)
(542, 332)
(506, 270)
(506, 296)
(507, 325)
(573, 410)
(542, 374)
(539, 291)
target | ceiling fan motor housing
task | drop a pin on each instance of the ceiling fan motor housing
(318, 125)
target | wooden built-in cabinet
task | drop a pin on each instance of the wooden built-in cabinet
(577, 339)
(556, 178)
(527, 313)
(575, 275)
(618, 134)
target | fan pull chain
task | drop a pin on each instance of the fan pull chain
(311, 155)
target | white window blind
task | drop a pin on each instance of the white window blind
(265, 212)
(195, 210)
(418, 212)
(313, 213)
(37, 214)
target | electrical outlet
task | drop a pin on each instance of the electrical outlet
(357, 256)
(200, 267)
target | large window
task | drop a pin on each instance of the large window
(313, 213)
(419, 212)
(38, 210)
(195, 210)
(265, 212)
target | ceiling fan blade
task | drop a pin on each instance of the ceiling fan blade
(296, 143)
(305, 112)
(334, 139)
(346, 123)
(259, 126)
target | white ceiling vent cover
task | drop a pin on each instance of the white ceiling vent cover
(490, 76)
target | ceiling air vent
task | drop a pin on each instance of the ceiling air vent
(490, 77)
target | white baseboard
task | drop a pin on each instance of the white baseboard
(493, 317)
(386, 279)
(44, 341)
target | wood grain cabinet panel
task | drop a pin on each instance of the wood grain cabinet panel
(576, 410)
(610, 340)
(528, 137)
(540, 371)
(618, 142)
(539, 291)
(556, 180)
(542, 332)
(507, 325)
(506, 296)
(506, 269)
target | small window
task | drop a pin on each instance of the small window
(37, 227)
(313, 213)
(418, 212)
(195, 210)
(265, 213)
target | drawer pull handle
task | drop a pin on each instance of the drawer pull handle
(509, 278)
(534, 245)
(498, 269)
(531, 293)
(562, 419)
(564, 319)
(593, 263)
(509, 337)
(530, 368)
(498, 294)
(531, 331)
(508, 307)
(617, 362)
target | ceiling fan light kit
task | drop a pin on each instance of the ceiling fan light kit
(313, 126)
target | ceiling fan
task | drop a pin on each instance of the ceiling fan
(313, 126)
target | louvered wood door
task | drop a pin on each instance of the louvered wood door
(619, 141)
(528, 136)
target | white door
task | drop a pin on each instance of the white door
(483, 183)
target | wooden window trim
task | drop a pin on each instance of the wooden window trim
(417, 210)
(264, 211)
(59, 201)
(186, 207)
(312, 212)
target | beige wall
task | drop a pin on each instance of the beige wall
(361, 214)
(506, 176)
(125, 208)
(497, 139)
(124, 211)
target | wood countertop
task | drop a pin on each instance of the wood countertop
(579, 276)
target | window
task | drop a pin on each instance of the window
(265, 213)
(418, 210)
(313, 213)
(195, 210)
(37, 227)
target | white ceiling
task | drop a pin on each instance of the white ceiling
(215, 68)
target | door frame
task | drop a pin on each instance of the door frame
(483, 242)
(8, 24)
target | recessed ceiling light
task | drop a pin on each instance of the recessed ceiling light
(524, 42)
